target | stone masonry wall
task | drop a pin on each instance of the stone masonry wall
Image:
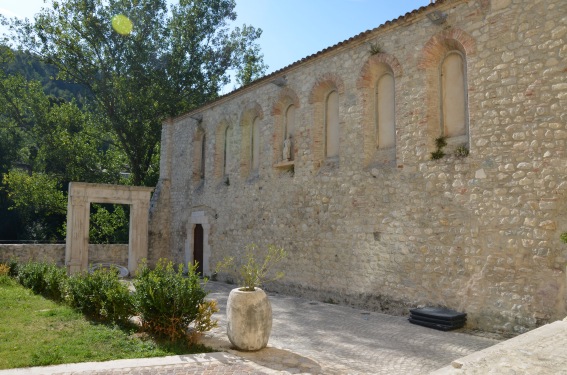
(394, 230)
(98, 253)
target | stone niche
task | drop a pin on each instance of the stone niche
(81, 195)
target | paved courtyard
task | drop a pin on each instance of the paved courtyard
(307, 337)
(316, 337)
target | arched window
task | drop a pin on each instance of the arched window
(288, 131)
(199, 147)
(332, 125)
(385, 115)
(225, 155)
(255, 143)
(454, 117)
(289, 122)
(203, 152)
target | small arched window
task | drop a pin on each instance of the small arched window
(454, 118)
(385, 116)
(332, 125)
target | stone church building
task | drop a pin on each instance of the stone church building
(421, 163)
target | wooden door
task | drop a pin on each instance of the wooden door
(198, 247)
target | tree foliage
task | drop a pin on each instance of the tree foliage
(46, 142)
(172, 61)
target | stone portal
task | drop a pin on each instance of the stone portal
(197, 248)
(81, 195)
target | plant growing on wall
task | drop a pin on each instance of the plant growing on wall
(440, 143)
(375, 49)
(462, 151)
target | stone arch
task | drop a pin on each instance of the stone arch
(318, 96)
(221, 150)
(81, 195)
(372, 71)
(286, 99)
(250, 123)
(324, 85)
(432, 56)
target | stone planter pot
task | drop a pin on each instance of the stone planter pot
(249, 316)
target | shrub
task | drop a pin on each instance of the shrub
(13, 265)
(203, 322)
(100, 296)
(55, 282)
(5, 274)
(168, 302)
(42, 278)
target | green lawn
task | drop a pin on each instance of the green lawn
(35, 331)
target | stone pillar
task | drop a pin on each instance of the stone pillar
(138, 244)
(77, 242)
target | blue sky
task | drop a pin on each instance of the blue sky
(292, 29)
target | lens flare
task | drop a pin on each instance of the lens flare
(122, 24)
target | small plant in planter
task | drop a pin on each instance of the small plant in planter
(248, 310)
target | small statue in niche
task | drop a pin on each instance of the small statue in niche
(287, 149)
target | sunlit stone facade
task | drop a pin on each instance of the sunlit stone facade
(367, 216)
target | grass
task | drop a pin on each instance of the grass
(39, 332)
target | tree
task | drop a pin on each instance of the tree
(46, 142)
(142, 62)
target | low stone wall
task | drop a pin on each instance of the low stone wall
(55, 253)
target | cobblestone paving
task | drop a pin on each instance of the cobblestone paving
(320, 338)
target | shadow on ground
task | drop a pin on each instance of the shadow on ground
(272, 358)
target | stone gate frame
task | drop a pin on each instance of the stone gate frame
(81, 195)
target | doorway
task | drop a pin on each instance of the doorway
(198, 238)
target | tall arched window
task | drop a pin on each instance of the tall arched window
(288, 131)
(225, 152)
(203, 152)
(199, 147)
(453, 95)
(332, 125)
(385, 116)
(255, 143)
(289, 121)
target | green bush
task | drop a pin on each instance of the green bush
(13, 264)
(55, 282)
(100, 295)
(5, 274)
(42, 278)
(30, 275)
(167, 301)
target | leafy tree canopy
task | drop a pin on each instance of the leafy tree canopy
(151, 63)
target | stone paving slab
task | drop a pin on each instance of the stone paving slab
(541, 351)
(207, 363)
